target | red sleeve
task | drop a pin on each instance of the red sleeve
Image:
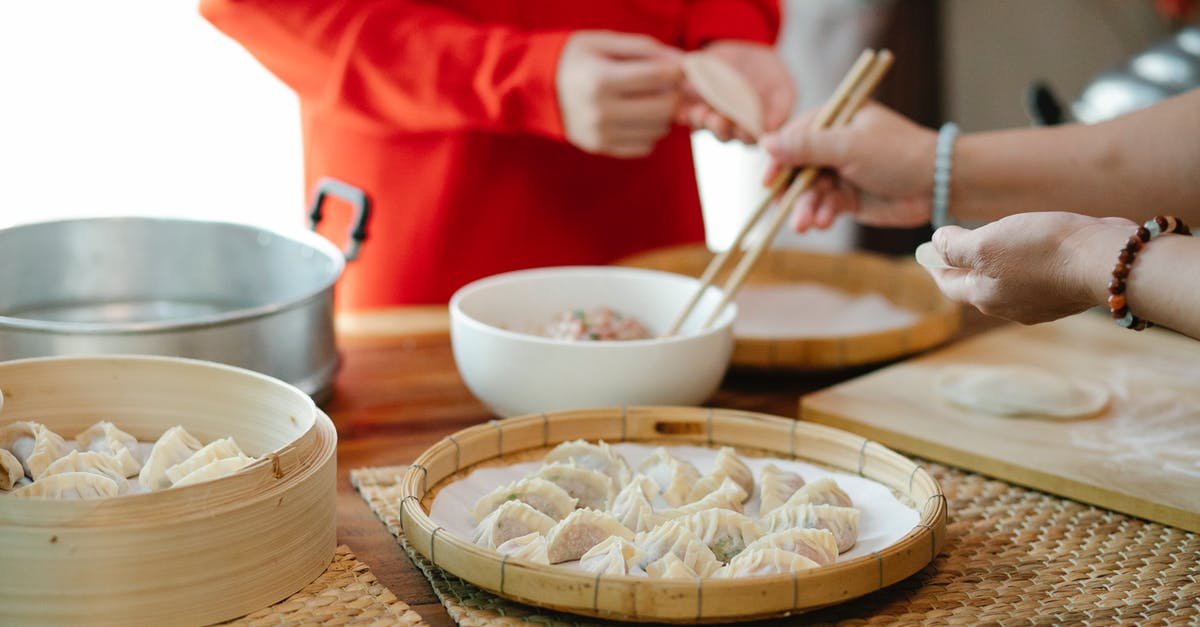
(402, 64)
(710, 20)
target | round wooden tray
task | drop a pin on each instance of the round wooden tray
(193, 555)
(633, 598)
(903, 282)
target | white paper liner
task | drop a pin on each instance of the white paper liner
(884, 518)
(799, 310)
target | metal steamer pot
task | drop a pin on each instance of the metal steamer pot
(217, 291)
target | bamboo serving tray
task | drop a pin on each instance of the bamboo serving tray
(634, 598)
(184, 556)
(903, 282)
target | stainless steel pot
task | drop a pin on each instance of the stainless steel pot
(223, 292)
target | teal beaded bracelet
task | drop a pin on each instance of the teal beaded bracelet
(1117, 303)
(942, 159)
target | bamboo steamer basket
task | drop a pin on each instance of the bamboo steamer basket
(184, 556)
(903, 282)
(638, 599)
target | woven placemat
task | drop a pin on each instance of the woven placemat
(347, 593)
(1013, 556)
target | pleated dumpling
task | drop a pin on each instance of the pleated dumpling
(776, 486)
(766, 561)
(172, 447)
(669, 566)
(823, 491)
(818, 545)
(70, 486)
(11, 470)
(663, 539)
(724, 531)
(841, 521)
(599, 457)
(613, 556)
(539, 494)
(592, 488)
(729, 496)
(105, 437)
(222, 448)
(90, 461)
(726, 465)
(581, 530)
(510, 520)
(531, 547)
(35, 445)
(674, 477)
(214, 469)
(632, 506)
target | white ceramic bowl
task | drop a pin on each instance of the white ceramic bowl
(516, 373)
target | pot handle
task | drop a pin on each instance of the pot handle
(351, 194)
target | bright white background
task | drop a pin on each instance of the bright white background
(140, 107)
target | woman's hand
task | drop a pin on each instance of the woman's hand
(617, 92)
(879, 168)
(765, 72)
(1031, 267)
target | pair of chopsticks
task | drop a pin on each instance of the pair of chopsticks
(847, 99)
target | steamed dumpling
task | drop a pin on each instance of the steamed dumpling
(726, 465)
(766, 561)
(215, 469)
(632, 506)
(841, 521)
(613, 556)
(531, 547)
(724, 531)
(539, 494)
(510, 520)
(105, 437)
(674, 477)
(70, 486)
(581, 530)
(729, 496)
(172, 447)
(35, 445)
(11, 470)
(823, 491)
(776, 486)
(223, 448)
(89, 461)
(599, 457)
(818, 545)
(669, 566)
(593, 489)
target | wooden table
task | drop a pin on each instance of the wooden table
(398, 392)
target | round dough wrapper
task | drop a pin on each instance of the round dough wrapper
(1021, 391)
(928, 256)
(725, 90)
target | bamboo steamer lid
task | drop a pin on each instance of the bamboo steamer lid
(184, 556)
(903, 282)
(639, 599)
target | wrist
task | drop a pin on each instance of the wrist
(1092, 253)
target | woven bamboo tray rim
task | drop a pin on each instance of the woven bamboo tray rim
(903, 282)
(192, 555)
(632, 598)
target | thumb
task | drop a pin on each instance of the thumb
(957, 246)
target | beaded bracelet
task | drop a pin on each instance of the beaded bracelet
(1116, 287)
(943, 157)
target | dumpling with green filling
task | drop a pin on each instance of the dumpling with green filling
(539, 494)
(818, 545)
(766, 561)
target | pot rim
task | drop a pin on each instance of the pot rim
(298, 235)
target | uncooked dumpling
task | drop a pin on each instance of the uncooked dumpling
(725, 90)
(105, 437)
(172, 447)
(1021, 391)
(11, 470)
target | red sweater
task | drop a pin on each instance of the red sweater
(446, 115)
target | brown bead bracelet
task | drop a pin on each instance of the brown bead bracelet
(1116, 287)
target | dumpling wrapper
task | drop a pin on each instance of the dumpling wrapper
(11, 470)
(928, 256)
(724, 89)
(1021, 391)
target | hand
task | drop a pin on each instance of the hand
(617, 92)
(880, 168)
(1031, 267)
(766, 73)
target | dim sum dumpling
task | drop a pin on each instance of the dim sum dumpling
(669, 566)
(726, 465)
(531, 547)
(172, 447)
(674, 477)
(11, 470)
(823, 491)
(217, 449)
(105, 437)
(70, 486)
(581, 530)
(766, 561)
(841, 521)
(613, 556)
(215, 469)
(599, 457)
(818, 545)
(637, 514)
(776, 486)
(724, 531)
(35, 445)
(90, 461)
(593, 489)
(729, 496)
(539, 494)
(510, 520)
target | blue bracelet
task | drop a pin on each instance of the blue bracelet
(941, 175)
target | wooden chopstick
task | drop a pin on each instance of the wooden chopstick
(862, 78)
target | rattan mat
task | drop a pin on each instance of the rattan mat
(347, 593)
(1013, 557)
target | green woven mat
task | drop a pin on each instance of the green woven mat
(1013, 557)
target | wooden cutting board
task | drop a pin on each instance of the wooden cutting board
(1141, 456)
